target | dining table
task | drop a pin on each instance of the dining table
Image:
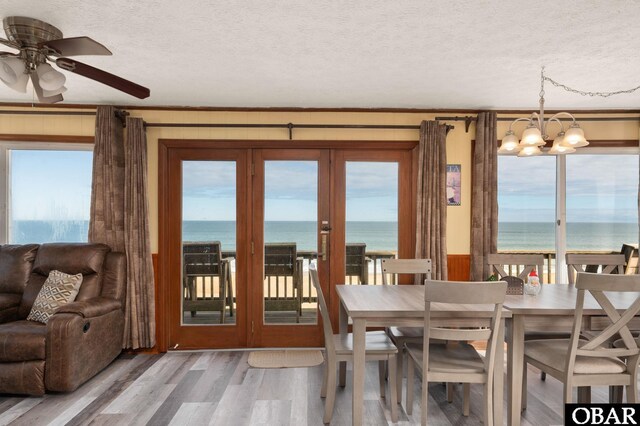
(403, 305)
(552, 310)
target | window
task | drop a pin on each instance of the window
(583, 202)
(602, 202)
(526, 204)
(47, 188)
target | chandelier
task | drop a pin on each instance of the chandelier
(535, 135)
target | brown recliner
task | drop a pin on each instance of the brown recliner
(81, 338)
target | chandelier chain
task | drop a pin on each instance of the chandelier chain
(585, 93)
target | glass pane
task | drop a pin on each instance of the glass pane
(526, 208)
(372, 219)
(291, 229)
(602, 202)
(50, 196)
(209, 242)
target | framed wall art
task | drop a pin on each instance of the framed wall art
(453, 184)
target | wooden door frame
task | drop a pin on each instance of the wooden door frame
(164, 184)
(198, 336)
(407, 179)
(295, 334)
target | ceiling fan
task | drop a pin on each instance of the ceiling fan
(39, 43)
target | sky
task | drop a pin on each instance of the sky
(50, 185)
(55, 185)
(600, 188)
(290, 191)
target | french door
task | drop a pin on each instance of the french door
(241, 223)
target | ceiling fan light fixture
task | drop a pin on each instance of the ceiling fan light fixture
(11, 70)
(21, 83)
(49, 93)
(49, 78)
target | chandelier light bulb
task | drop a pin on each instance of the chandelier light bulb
(531, 137)
(559, 148)
(529, 151)
(509, 144)
(574, 137)
(49, 78)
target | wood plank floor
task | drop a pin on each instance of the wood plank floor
(219, 388)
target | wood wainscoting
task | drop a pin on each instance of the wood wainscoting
(459, 267)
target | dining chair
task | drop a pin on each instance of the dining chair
(516, 265)
(457, 361)
(519, 266)
(403, 335)
(378, 347)
(584, 361)
(603, 263)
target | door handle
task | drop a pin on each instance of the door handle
(324, 247)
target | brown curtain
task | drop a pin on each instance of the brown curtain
(106, 223)
(431, 223)
(140, 326)
(484, 195)
(119, 216)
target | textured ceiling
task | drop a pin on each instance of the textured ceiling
(357, 53)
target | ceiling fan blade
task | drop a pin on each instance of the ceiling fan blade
(104, 77)
(74, 46)
(40, 94)
(9, 43)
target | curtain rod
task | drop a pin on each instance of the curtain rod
(291, 126)
(469, 119)
(119, 113)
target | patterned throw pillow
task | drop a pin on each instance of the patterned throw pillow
(59, 289)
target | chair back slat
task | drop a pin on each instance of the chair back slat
(202, 259)
(324, 310)
(356, 262)
(420, 267)
(460, 334)
(504, 263)
(608, 263)
(280, 259)
(465, 293)
(597, 285)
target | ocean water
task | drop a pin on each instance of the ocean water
(587, 236)
(377, 235)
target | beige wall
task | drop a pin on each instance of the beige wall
(458, 142)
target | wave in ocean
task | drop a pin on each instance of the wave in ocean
(512, 236)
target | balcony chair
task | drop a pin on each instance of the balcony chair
(281, 262)
(357, 263)
(203, 267)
